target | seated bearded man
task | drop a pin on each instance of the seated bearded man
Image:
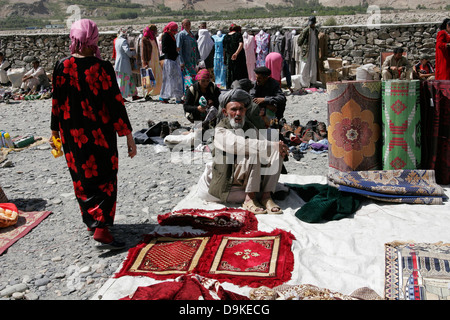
(247, 161)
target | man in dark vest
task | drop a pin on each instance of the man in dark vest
(268, 94)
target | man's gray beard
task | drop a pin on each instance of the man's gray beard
(236, 125)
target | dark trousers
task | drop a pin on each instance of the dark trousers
(287, 73)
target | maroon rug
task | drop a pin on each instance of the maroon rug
(225, 220)
(26, 222)
(435, 114)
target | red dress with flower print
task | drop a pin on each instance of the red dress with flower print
(442, 56)
(89, 113)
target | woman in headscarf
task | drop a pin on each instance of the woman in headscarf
(206, 49)
(274, 61)
(88, 114)
(189, 55)
(172, 85)
(233, 47)
(195, 107)
(122, 66)
(150, 57)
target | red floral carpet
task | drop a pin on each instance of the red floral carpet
(254, 259)
(26, 222)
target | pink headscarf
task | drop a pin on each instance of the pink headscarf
(203, 74)
(149, 32)
(84, 33)
(171, 26)
(274, 61)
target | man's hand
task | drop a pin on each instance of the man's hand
(201, 109)
(258, 100)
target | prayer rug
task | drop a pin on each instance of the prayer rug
(254, 259)
(26, 222)
(164, 257)
(401, 125)
(354, 131)
(187, 287)
(398, 186)
(225, 220)
(417, 271)
(435, 111)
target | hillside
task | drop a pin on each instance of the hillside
(18, 15)
(49, 7)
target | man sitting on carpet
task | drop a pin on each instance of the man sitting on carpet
(245, 162)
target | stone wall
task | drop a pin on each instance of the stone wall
(48, 48)
(357, 43)
(361, 45)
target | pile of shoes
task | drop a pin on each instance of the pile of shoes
(298, 136)
(297, 133)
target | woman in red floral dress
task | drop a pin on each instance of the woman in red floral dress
(88, 113)
(443, 52)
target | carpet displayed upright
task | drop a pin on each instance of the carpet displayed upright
(354, 132)
(401, 125)
(435, 112)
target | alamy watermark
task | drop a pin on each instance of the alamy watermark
(251, 146)
(76, 15)
(374, 20)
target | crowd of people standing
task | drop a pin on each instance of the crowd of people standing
(175, 56)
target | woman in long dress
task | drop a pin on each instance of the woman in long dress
(122, 66)
(220, 72)
(250, 54)
(233, 47)
(443, 51)
(87, 115)
(172, 85)
(150, 57)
